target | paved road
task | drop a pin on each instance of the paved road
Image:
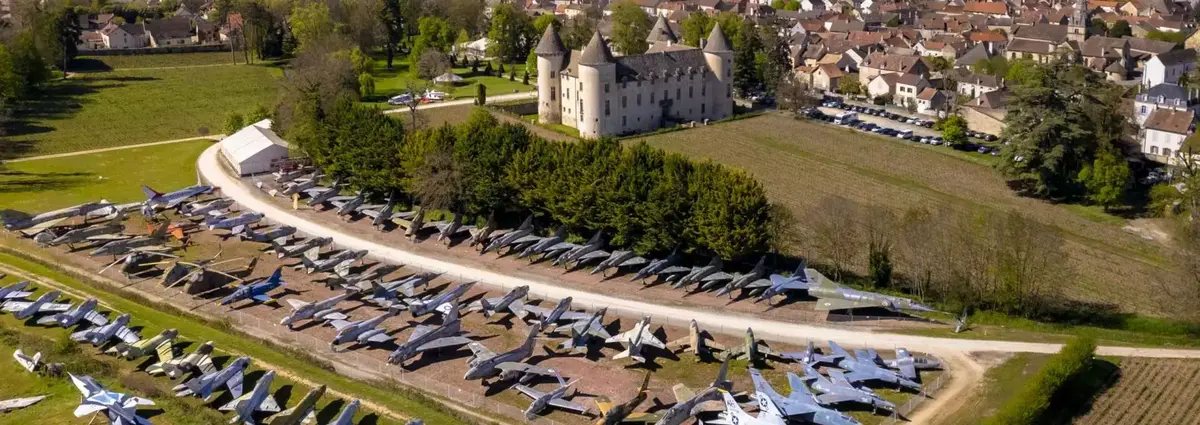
(884, 122)
(210, 168)
(117, 148)
(468, 101)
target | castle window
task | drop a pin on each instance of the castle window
(552, 93)
(553, 74)
(689, 93)
(704, 90)
(606, 87)
(728, 91)
(691, 77)
(624, 120)
(607, 112)
(1166, 152)
(678, 78)
(666, 94)
(639, 99)
(702, 107)
(678, 91)
(1154, 150)
(651, 97)
(623, 102)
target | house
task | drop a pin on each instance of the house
(254, 149)
(880, 63)
(908, 86)
(973, 85)
(1041, 43)
(1164, 96)
(1164, 132)
(175, 31)
(989, 8)
(882, 86)
(975, 54)
(930, 101)
(124, 36)
(826, 77)
(1168, 67)
(90, 40)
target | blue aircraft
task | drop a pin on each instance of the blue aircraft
(257, 291)
(157, 200)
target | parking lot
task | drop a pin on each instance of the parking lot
(885, 123)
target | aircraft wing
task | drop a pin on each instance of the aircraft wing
(269, 405)
(529, 392)
(11, 306)
(38, 228)
(561, 246)
(235, 383)
(829, 304)
(682, 393)
(370, 213)
(525, 368)
(296, 304)
(338, 201)
(106, 238)
(569, 405)
(908, 371)
(537, 311)
(449, 341)
(165, 352)
(420, 331)
(834, 398)
(859, 377)
(761, 283)
(837, 350)
(380, 338)
(575, 316)
(87, 408)
(594, 255)
(653, 341)
(675, 269)
(17, 294)
(517, 307)
(624, 337)
(795, 409)
(339, 324)
(480, 351)
(717, 276)
(314, 191)
(127, 335)
(526, 239)
(635, 261)
(642, 417)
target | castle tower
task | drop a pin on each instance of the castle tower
(1077, 24)
(719, 56)
(661, 35)
(550, 53)
(597, 76)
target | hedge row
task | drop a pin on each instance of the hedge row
(1029, 406)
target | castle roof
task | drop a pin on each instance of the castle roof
(551, 44)
(717, 43)
(596, 52)
(661, 33)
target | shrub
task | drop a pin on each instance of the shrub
(1033, 401)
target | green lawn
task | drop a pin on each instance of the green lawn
(395, 81)
(110, 63)
(115, 175)
(105, 109)
(1000, 383)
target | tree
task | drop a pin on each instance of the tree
(849, 84)
(540, 24)
(391, 18)
(954, 130)
(1176, 37)
(745, 74)
(512, 33)
(938, 63)
(772, 61)
(481, 95)
(467, 15)
(463, 38)
(995, 66)
(1106, 179)
(366, 85)
(1120, 29)
(309, 23)
(432, 64)
(578, 32)
(696, 27)
(893, 22)
(1097, 26)
(436, 179)
(434, 34)
(836, 232)
(234, 122)
(792, 95)
(361, 62)
(631, 26)
(792, 5)
(879, 228)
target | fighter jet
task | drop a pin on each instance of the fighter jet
(256, 292)
(346, 416)
(698, 342)
(556, 398)
(705, 277)
(345, 208)
(743, 281)
(201, 277)
(321, 195)
(157, 200)
(338, 262)
(99, 233)
(303, 412)
(411, 223)
(382, 216)
(581, 254)
(440, 303)
(511, 301)
(277, 235)
(204, 208)
(302, 248)
(549, 318)
(199, 361)
(44, 304)
(387, 294)
(832, 296)
(809, 356)
(520, 235)
(28, 363)
(287, 176)
(582, 331)
(734, 415)
(426, 338)
(19, 403)
(100, 335)
(297, 186)
(121, 409)
(752, 349)
(617, 260)
(362, 332)
(836, 389)
(687, 400)
(909, 365)
(203, 386)
(549, 244)
(235, 225)
(257, 400)
(321, 310)
(141, 348)
(363, 279)
(615, 414)
(33, 224)
(149, 243)
(779, 285)
(661, 268)
(634, 339)
(481, 236)
(864, 369)
(15, 291)
(799, 405)
(507, 365)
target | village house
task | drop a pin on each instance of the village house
(1164, 132)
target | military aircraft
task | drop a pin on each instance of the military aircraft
(302, 248)
(779, 284)
(277, 235)
(119, 329)
(203, 386)
(658, 268)
(507, 365)
(734, 415)
(634, 339)
(321, 195)
(705, 276)
(200, 277)
(346, 416)
(347, 207)
(362, 332)
(321, 310)
(698, 342)
(556, 398)
(481, 235)
(580, 254)
(256, 292)
(141, 348)
(199, 361)
(358, 280)
(687, 400)
(744, 281)
(282, 176)
(157, 200)
(149, 243)
(15, 291)
(549, 318)
(520, 235)
(752, 349)
(387, 294)
(837, 389)
(121, 409)
(809, 356)
(204, 208)
(426, 338)
(258, 399)
(799, 405)
(617, 260)
(440, 303)
(447, 230)
(303, 412)
(137, 263)
(382, 216)
(34, 224)
(832, 296)
(337, 263)
(582, 331)
(549, 245)
(29, 363)
(297, 186)
(411, 223)
(19, 403)
(44, 304)
(511, 301)
(235, 225)
(907, 364)
(618, 413)
(99, 233)
(864, 368)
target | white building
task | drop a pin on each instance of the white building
(125, 36)
(602, 95)
(1164, 132)
(1168, 96)
(1168, 67)
(254, 149)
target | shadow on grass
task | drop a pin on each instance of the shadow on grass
(1074, 399)
(19, 181)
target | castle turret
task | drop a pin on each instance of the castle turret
(550, 53)
(661, 35)
(1077, 24)
(719, 56)
(597, 74)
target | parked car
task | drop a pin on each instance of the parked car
(403, 99)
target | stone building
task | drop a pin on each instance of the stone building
(602, 95)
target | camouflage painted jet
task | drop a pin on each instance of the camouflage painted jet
(439, 303)
(832, 296)
(618, 413)
(907, 364)
(549, 318)
(698, 342)
(35, 223)
(337, 263)
(277, 235)
(365, 278)
(149, 243)
(482, 235)
(257, 400)
(428, 338)
(581, 254)
(144, 347)
(548, 246)
(363, 332)
(297, 186)
(321, 310)
(508, 365)
(199, 361)
(156, 200)
(744, 281)
(865, 369)
(204, 208)
(556, 398)
(321, 195)
(687, 400)
(235, 225)
(752, 349)
(446, 230)
(705, 276)
(810, 356)
(380, 217)
(779, 284)
(582, 332)
(661, 268)
(617, 260)
(387, 294)
(303, 412)
(512, 301)
(256, 292)
(302, 248)
(118, 329)
(99, 233)
(203, 386)
(520, 235)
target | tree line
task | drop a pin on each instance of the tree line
(641, 198)
(1044, 397)
(36, 38)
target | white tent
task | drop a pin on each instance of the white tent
(254, 149)
(448, 77)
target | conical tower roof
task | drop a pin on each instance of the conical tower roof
(596, 52)
(551, 44)
(661, 33)
(717, 43)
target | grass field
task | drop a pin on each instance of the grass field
(111, 63)
(395, 81)
(801, 163)
(1150, 392)
(116, 175)
(105, 109)
(1000, 383)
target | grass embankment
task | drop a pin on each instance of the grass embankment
(155, 318)
(1123, 330)
(1000, 383)
(391, 82)
(106, 109)
(168, 60)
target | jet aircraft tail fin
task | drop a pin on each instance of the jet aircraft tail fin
(150, 193)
